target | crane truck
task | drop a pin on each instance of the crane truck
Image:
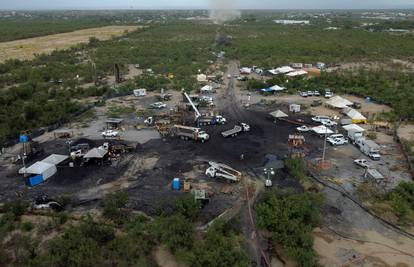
(186, 133)
(201, 120)
(219, 170)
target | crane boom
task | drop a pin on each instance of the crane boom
(198, 114)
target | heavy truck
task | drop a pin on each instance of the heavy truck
(203, 120)
(219, 170)
(369, 148)
(237, 129)
(187, 133)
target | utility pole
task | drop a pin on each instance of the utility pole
(324, 146)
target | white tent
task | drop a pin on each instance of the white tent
(338, 102)
(206, 89)
(355, 116)
(277, 88)
(55, 159)
(96, 153)
(279, 114)
(46, 170)
(281, 70)
(297, 73)
(322, 130)
(354, 128)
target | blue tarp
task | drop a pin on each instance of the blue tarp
(268, 90)
(35, 180)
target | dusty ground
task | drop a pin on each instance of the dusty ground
(26, 48)
(367, 249)
(406, 131)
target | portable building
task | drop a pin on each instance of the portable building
(140, 92)
(295, 108)
(354, 131)
(39, 172)
(374, 176)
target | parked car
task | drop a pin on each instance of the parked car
(336, 136)
(303, 129)
(374, 156)
(356, 105)
(303, 94)
(158, 105)
(321, 118)
(362, 163)
(338, 141)
(310, 93)
(316, 93)
(329, 123)
(328, 94)
(110, 133)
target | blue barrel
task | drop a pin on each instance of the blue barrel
(176, 185)
(23, 138)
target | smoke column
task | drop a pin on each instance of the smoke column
(223, 10)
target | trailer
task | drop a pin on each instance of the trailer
(369, 148)
(237, 129)
(187, 133)
(219, 170)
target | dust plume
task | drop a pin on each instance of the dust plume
(223, 10)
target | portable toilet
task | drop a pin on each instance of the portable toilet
(176, 184)
(294, 108)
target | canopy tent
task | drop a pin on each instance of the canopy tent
(297, 73)
(278, 114)
(353, 128)
(275, 88)
(322, 130)
(338, 102)
(96, 153)
(281, 70)
(46, 170)
(355, 116)
(55, 159)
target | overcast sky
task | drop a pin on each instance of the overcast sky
(189, 4)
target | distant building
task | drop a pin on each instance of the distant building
(291, 22)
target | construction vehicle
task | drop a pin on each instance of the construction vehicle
(211, 120)
(219, 170)
(243, 127)
(186, 133)
(201, 120)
